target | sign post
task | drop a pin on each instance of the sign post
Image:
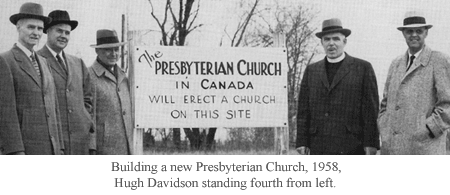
(189, 87)
(186, 87)
(281, 134)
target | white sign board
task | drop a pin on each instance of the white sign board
(210, 87)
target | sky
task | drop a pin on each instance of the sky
(374, 23)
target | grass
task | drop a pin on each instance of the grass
(215, 152)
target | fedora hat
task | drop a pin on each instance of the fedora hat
(107, 38)
(30, 10)
(414, 19)
(331, 26)
(60, 17)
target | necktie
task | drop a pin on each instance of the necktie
(411, 61)
(61, 62)
(35, 65)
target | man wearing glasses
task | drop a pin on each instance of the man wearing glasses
(415, 109)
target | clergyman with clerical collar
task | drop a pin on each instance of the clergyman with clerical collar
(338, 100)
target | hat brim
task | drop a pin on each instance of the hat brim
(16, 17)
(72, 23)
(109, 45)
(344, 31)
(401, 28)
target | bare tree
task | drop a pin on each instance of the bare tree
(295, 22)
(301, 47)
(176, 26)
(246, 11)
(245, 20)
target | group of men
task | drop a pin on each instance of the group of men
(338, 105)
(51, 103)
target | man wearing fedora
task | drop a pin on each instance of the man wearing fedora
(338, 100)
(29, 118)
(72, 85)
(415, 109)
(112, 101)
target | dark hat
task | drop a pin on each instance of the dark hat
(414, 19)
(30, 10)
(60, 17)
(107, 39)
(331, 26)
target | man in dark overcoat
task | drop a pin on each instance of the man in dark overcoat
(72, 85)
(29, 118)
(112, 100)
(338, 100)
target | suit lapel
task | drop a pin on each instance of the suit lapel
(45, 72)
(100, 71)
(323, 74)
(52, 61)
(422, 60)
(120, 75)
(70, 63)
(342, 71)
(25, 64)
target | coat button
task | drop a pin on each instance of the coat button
(326, 114)
(397, 107)
(123, 112)
(67, 90)
(70, 111)
(118, 89)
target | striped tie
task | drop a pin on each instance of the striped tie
(35, 65)
(61, 62)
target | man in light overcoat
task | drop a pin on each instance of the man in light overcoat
(29, 118)
(338, 100)
(72, 84)
(415, 109)
(112, 101)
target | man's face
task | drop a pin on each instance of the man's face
(109, 56)
(334, 44)
(58, 36)
(415, 38)
(30, 31)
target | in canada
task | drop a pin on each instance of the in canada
(207, 84)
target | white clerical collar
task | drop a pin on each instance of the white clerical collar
(27, 52)
(53, 52)
(336, 60)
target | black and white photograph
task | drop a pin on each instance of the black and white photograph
(236, 96)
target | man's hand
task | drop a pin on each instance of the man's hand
(303, 150)
(370, 150)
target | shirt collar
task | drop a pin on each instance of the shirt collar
(336, 60)
(24, 49)
(53, 52)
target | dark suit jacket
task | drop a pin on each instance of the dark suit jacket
(29, 116)
(340, 118)
(75, 102)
